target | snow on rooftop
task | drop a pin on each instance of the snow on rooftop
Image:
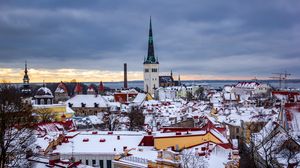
(167, 134)
(94, 146)
(88, 100)
(139, 98)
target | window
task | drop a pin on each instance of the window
(154, 70)
(93, 162)
(108, 162)
(237, 130)
(87, 162)
(146, 70)
(101, 163)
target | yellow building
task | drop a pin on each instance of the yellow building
(184, 140)
(57, 111)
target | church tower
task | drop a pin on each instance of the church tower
(151, 66)
(26, 91)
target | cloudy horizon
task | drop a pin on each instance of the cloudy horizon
(198, 40)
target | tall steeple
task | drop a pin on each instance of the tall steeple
(26, 88)
(151, 66)
(25, 78)
(150, 57)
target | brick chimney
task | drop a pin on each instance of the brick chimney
(125, 76)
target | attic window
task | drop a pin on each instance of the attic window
(83, 104)
(70, 104)
(96, 105)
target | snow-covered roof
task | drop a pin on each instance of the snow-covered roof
(139, 98)
(111, 145)
(247, 85)
(43, 92)
(88, 100)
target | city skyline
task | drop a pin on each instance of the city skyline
(199, 40)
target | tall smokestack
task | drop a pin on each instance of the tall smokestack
(125, 76)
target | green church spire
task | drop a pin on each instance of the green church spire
(151, 57)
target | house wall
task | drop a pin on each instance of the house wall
(90, 157)
(84, 111)
(57, 109)
(183, 141)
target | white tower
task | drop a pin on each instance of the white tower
(151, 67)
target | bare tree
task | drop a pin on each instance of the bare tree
(289, 152)
(199, 93)
(16, 122)
(272, 143)
(189, 96)
(111, 120)
(190, 158)
(45, 115)
(136, 119)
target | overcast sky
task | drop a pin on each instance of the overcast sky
(90, 40)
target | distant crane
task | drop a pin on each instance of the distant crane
(281, 77)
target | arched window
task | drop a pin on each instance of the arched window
(42, 101)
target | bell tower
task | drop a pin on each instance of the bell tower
(151, 66)
(26, 91)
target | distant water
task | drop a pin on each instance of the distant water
(211, 83)
(294, 83)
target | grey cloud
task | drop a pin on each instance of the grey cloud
(199, 36)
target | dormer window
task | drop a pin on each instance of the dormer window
(83, 104)
(96, 105)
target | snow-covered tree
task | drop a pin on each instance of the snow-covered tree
(189, 158)
(111, 120)
(16, 121)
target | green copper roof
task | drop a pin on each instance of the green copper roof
(151, 59)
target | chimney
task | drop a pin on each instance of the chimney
(125, 76)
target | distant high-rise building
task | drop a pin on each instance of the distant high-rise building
(26, 91)
(151, 66)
